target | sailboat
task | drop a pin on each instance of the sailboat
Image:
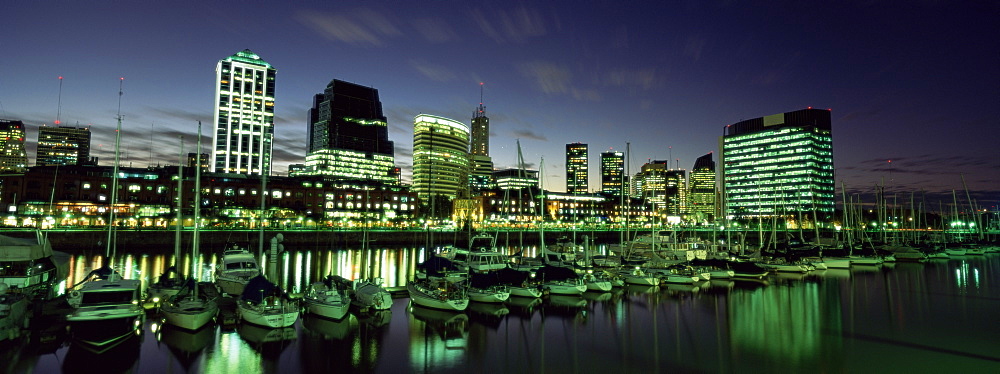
(192, 310)
(329, 298)
(370, 293)
(106, 308)
(170, 282)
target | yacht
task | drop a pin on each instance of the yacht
(264, 304)
(328, 299)
(106, 309)
(236, 268)
(438, 293)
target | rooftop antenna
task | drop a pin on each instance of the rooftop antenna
(59, 103)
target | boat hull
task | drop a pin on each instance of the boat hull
(428, 300)
(190, 314)
(269, 316)
(533, 292)
(335, 310)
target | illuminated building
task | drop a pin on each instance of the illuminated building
(13, 159)
(576, 168)
(613, 173)
(62, 145)
(701, 198)
(480, 176)
(508, 179)
(440, 157)
(663, 188)
(244, 114)
(349, 136)
(192, 160)
(779, 164)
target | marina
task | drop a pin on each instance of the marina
(930, 316)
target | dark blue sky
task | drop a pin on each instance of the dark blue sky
(915, 82)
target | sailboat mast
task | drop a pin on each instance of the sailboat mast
(179, 205)
(112, 238)
(196, 240)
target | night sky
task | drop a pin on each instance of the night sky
(914, 82)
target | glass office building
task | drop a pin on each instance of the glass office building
(244, 114)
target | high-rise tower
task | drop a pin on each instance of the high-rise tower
(349, 135)
(576, 168)
(778, 164)
(62, 145)
(440, 157)
(701, 198)
(244, 114)
(13, 158)
(613, 173)
(481, 174)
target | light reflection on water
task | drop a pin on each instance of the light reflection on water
(936, 316)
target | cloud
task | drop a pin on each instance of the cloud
(515, 25)
(693, 47)
(641, 78)
(364, 26)
(433, 72)
(549, 77)
(528, 134)
(434, 30)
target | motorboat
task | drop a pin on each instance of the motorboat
(13, 313)
(236, 267)
(105, 309)
(370, 294)
(30, 266)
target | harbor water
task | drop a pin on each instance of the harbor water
(930, 317)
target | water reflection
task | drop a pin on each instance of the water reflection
(839, 320)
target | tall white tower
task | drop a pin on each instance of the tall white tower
(244, 114)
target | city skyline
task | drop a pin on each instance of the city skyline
(915, 92)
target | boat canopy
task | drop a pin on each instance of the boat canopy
(22, 249)
(259, 288)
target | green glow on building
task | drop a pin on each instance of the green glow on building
(440, 157)
(776, 167)
(244, 114)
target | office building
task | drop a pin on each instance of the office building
(576, 168)
(349, 136)
(244, 114)
(613, 173)
(779, 165)
(701, 197)
(13, 158)
(440, 157)
(663, 188)
(513, 179)
(481, 174)
(62, 145)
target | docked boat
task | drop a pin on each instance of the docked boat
(481, 256)
(597, 282)
(32, 267)
(328, 299)
(236, 267)
(639, 277)
(106, 310)
(519, 283)
(487, 288)
(558, 280)
(189, 309)
(562, 253)
(370, 294)
(264, 304)
(438, 293)
(13, 313)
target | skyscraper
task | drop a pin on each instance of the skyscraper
(576, 168)
(778, 164)
(664, 188)
(613, 173)
(62, 145)
(701, 198)
(481, 174)
(349, 135)
(244, 114)
(13, 158)
(440, 157)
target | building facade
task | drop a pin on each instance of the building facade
(701, 197)
(440, 157)
(13, 158)
(577, 163)
(779, 165)
(664, 189)
(349, 135)
(244, 114)
(613, 173)
(62, 145)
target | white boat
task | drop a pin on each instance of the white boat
(236, 267)
(370, 294)
(264, 304)
(438, 294)
(530, 292)
(680, 279)
(597, 283)
(940, 255)
(481, 256)
(13, 313)
(721, 274)
(493, 294)
(639, 277)
(327, 299)
(955, 251)
(106, 310)
(558, 280)
(865, 261)
(32, 267)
